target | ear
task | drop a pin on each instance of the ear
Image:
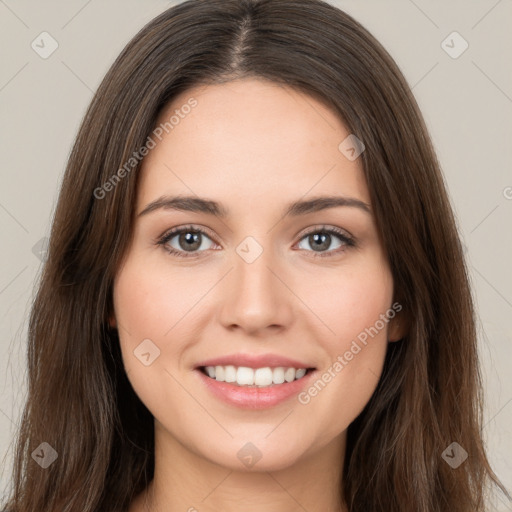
(398, 327)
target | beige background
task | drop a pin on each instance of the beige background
(467, 104)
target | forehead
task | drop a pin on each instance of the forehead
(249, 140)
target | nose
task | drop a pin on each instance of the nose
(256, 297)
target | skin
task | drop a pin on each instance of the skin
(253, 146)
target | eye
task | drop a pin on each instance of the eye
(321, 239)
(183, 240)
(188, 241)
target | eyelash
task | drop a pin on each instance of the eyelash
(169, 235)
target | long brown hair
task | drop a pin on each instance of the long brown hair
(79, 399)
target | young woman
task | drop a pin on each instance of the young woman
(255, 296)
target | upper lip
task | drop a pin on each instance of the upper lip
(255, 361)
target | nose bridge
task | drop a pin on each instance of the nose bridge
(255, 298)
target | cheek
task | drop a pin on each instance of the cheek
(150, 300)
(353, 307)
(157, 302)
(147, 307)
(349, 302)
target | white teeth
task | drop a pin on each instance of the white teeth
(300, 373)
(230, 374)
(289, 374)
(245, 376)
(219, 373)
(278, 376)
(261, 377)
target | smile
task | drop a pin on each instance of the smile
(254, 377)
(244, 391)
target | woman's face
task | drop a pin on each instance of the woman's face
(262, 287)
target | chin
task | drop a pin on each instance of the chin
(255, 456)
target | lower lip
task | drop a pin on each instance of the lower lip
(254, 397)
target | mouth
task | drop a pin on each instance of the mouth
(254, 381)
(246, 377)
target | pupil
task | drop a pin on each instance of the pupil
(191, 239)
(323, 238)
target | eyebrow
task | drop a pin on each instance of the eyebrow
(202, 205)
